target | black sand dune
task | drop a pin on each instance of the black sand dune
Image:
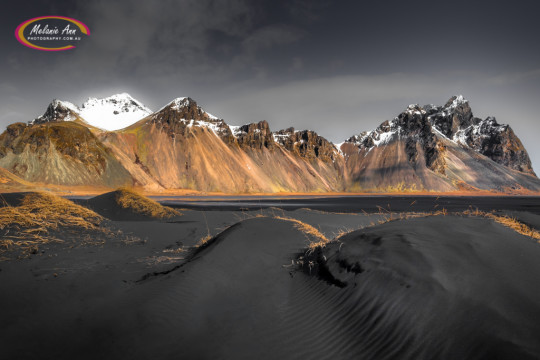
(399, 291)
(440, 287)
(125, 204)
(403, 292)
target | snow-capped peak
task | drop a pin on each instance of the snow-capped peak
(114, 112)
(183, 102)
(455, 101)
(179, 103)
(415, 109)
(58, 110)
(59, 104)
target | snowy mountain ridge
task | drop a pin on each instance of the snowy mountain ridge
(111, 113)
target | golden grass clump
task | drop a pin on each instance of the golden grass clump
(507, 221)
(307, 229)
(129, 199)
(28, 225)
(204, 240)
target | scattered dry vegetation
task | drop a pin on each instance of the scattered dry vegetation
(400, 187)
(129, 199)
(320, 239)
(504, 220)
(33, 222)
(317, 239)
(507, 221)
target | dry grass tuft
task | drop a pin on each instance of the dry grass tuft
(129, 199)
(175, 251)
(442, 212)
(307, 229)
(204, 240)
(507, 221)
(28, 225)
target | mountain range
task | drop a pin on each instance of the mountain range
(117, 141)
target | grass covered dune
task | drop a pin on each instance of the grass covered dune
(31, 220)
(268, 283)
(127, 204)
(40, 218)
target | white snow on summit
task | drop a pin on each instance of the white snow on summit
(114, 112)
(181, 102)
(459, 100)
(65, 104)
(58, 109)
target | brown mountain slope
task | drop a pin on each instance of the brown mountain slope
(181, 146)
(9, 181)
(64, 153)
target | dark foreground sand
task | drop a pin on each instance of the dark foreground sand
(439, 287)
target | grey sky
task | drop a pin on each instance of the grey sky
(337, 67)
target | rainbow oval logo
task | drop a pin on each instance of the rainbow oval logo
(51, 33)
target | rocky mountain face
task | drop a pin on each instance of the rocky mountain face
(438, 148)
(181, 146)
(415, 129)
(181, 114)
(307, 144)
(456, 122)
(254, 136)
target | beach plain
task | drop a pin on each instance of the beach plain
(380, 277)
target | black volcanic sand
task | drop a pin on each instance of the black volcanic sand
(370, 204)
(439, 287)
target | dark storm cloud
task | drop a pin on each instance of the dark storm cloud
(335, 67)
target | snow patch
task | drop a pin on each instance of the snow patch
(415, 109)
(210, 125)
(280, 138)
(458, 100)
(384, 138)
(338, 148)
(114, 112)
(235, 129)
